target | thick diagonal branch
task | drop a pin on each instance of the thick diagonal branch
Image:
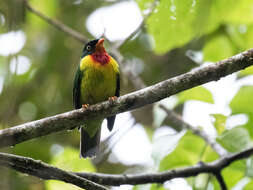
(128, 102)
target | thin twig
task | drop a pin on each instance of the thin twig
(178, 120)
(221, 181)
(42, 170)
(59, 25)
(45, 171)
(131, 101)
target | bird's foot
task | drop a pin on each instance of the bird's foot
(112, 99)
(85, 106)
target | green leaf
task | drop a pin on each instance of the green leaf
(234, 140)
(180, 22)
(242, 36)
(219, 122)
(69, 160)
(176, 19)
(173, 24)
(240, 103)
(234, 173)
(186, 154)
(209, 155)
(198, 93)
(236, 12)
(217, 48)
(159, 151)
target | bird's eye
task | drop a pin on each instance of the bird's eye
(88, 47)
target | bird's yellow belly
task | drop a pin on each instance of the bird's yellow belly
(98, 84)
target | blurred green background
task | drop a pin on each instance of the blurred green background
(38, 62)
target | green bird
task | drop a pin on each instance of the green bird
(97, 79)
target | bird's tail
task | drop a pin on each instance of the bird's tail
(89, 146)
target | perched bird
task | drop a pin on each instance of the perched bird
(97, 79)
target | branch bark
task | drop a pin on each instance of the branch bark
(214, 168)
(42, 170)
(137, 99)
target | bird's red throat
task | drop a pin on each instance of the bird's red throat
(101, 57)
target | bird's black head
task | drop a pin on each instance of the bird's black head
(89, 48)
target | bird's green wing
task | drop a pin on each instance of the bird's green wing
(110, 120)
(117, 85)
(77, 89)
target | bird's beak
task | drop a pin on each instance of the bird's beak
(100, 45)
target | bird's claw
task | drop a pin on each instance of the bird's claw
(85, 106)
(112, 99)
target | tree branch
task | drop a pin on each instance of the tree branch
(221, 181)
(177, 119)
(42, 170)
(214, 167)
(137, 99)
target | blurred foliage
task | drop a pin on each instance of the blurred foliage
(177, 37)
(239, 135)
(198, 93)
(187, 154)
(219, 122)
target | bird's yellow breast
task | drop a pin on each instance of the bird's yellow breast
(99, 80)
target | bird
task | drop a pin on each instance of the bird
(97, 79)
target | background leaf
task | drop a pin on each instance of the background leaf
(239, 135)
(186, 154)
(219, 122)
(198, 93)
